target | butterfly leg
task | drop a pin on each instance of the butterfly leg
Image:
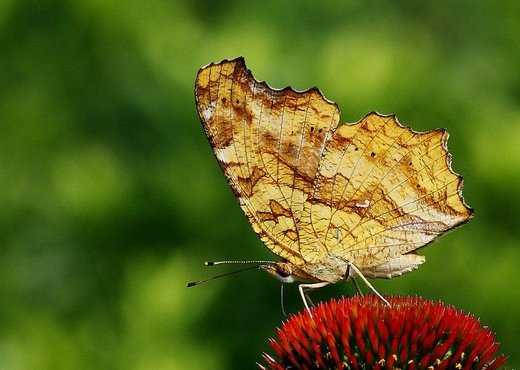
(308, 297)
(358, 273)
(358, 289)
(281, 300)
(349, 276)
(302, 288)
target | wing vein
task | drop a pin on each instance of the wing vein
(363, 217)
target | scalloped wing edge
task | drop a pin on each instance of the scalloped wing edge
(241, 62)
(444, 139)
(444, 143)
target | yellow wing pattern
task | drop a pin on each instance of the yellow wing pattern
(269, 144)
(384, 190)
(364, 192)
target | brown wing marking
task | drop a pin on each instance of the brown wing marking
(384, 190)
(268, 143)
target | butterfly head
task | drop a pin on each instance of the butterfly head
(283, 271)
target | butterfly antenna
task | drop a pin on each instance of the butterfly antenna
(198, 282)
(214, 263)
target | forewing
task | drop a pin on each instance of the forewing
(384, 190)
(269, 144)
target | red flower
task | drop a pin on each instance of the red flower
(364, 333)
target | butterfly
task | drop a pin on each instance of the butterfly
(334, 201)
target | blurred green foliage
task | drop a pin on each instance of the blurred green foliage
(111, 198)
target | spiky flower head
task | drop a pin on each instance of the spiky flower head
(364, 333)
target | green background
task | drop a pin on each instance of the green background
(111, 198)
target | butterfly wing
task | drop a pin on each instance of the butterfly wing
(384, 190)
(269, 144)
(366, 192)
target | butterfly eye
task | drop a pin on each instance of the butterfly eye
(282, 273)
